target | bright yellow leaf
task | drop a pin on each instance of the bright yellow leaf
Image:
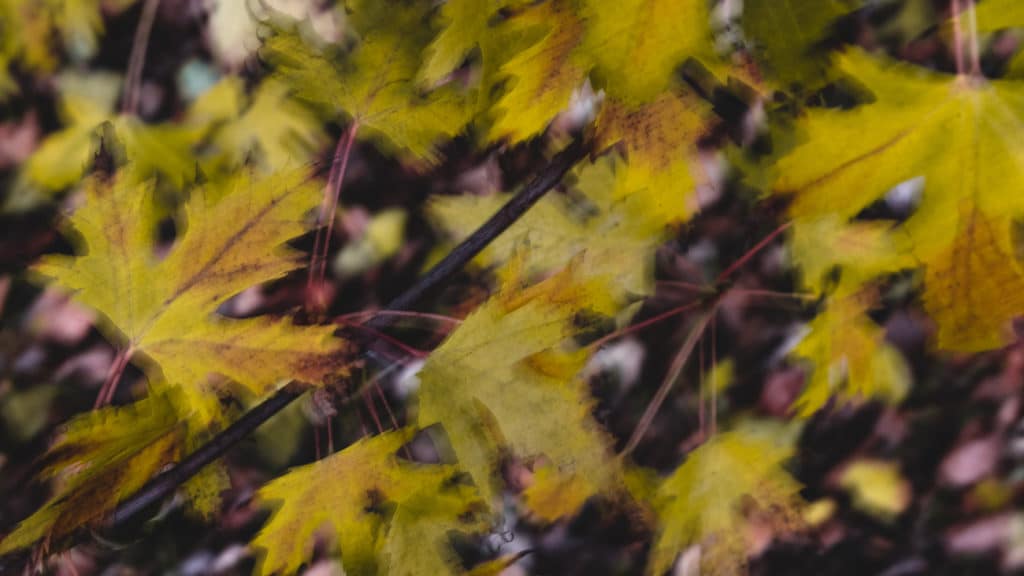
(963, 135)
(704, 499)
(375, 84)
(613, 232)
(268, 130)
(637, 45)
(502, 382)
(658, 140)
(151, 149)
(975, 287)
(347, 494)
(859, 251)
(850, 357)
(165, 309)
(99, 459)
(543, 76)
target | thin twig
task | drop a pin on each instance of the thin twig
(641, 325)
(137, 58)
(328, 208)
(958, 36)
(972, 34)
(753, 251)
(666, 385)
(117, 366)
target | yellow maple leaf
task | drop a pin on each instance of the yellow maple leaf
(502, 381)
(375, 84)
(703, 500)
(152, 149)
(346, 492)
(268, 129)
(100, 458)
(164, 309)
(997, 14)
(465, 27)
(962, 135)
(658, 139)
(543, 76)
(637, 45)
(612, 233)
(850, 357)
(860, 251)
(974, 288)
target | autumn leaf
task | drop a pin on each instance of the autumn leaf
(543, 76)
(850, 357)
(503, 382)
(860, 251)
(786, 37)
(998, 14)
(974, 288)
(267, 129)
(703, 501)
(152, 149)
(637, 45)
(960, 134)
(610, 232)
(96, 463)
(375, 85)
(658, 140)
(464, 28)
(348, 492)
(164, 310)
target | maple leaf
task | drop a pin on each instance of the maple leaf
(703, 500)
(502, 381)
(786, 35)
(851, 158)
(860, 250)
(164, 309)
(27, 28)
(636, 45)
(994, 15)
(658, 139)
(850, 357)
(464, 27)
(268, 129)
(347, 491)
(85, 104)
(609, 232)
(375, 84)
(544, 75)
(97, 464)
